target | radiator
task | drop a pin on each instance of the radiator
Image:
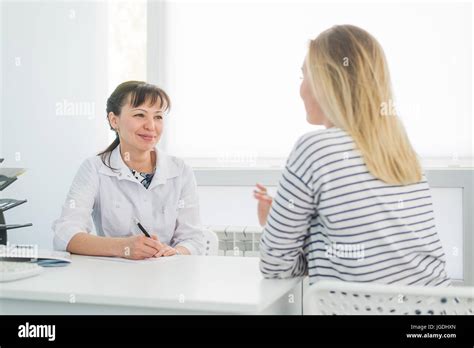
(238, 240)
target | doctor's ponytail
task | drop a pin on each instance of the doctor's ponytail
(139, 93)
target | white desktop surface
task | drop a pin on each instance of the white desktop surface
(176, 285)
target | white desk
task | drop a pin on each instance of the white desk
(176, 285)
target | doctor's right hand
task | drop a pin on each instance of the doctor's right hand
(140, 247)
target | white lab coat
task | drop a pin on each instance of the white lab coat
(111, 199)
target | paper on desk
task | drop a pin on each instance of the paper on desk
(121, 259)
(53, 258)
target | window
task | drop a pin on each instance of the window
(127, 44)
(233, 73)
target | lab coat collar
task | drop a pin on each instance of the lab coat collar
(165, 168)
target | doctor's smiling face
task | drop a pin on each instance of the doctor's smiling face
(135, 111)
(139, 127)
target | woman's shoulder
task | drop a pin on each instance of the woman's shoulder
(315, 144)
(320, 138)
(176, 165)
(324, 133)
(92, 163)
(174, 160)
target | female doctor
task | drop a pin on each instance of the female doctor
(132, 182)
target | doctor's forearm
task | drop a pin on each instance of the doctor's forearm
(87, 244)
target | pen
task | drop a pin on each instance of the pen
(141, 228)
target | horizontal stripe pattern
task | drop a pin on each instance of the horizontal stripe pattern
(332, 219)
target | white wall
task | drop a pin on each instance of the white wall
(447, 204)
(62, 51)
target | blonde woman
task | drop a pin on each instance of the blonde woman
(353, 203)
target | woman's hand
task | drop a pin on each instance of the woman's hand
(264, 203)
(141, 247)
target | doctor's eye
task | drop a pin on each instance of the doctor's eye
(158, 117)
(141, 115)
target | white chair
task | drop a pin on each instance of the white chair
(337, 297)
(211, 242)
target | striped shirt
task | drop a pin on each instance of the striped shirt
(332, 219)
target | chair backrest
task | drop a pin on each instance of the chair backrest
(337, 297)
(211, 242)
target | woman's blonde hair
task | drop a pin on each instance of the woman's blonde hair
(349, 76)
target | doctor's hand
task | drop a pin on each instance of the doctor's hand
(170, 251)
(264, 203)
(141, 247)
(166, 251)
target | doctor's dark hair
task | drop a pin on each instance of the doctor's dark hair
(136, 93)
